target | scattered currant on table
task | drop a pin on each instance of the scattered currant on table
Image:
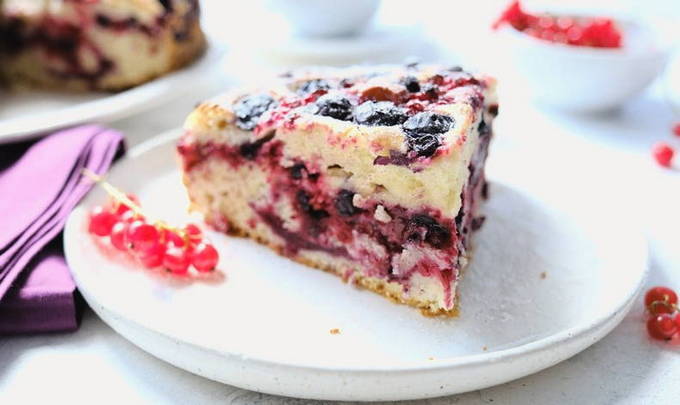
(152, 244)
(663, 154)
(663, 322)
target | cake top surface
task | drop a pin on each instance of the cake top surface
(410, 131)
(418, 110)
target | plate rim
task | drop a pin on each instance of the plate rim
(506, 354)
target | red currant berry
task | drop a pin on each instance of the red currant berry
(176, 260)
(661, 327)
(194, 233)
(204, 257)
(142, 236)
(676, 129)
(660, 300)
(172, 238)
(663, 154)
(119, 235)
(676, 318)
(153, 257)
(101, 221)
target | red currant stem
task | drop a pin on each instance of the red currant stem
(121, 197)
(665, 303)
(113, 191)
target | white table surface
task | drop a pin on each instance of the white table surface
(96, 365)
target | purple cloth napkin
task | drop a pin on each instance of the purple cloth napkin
(40, 183)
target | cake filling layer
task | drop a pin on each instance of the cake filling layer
(307, 212)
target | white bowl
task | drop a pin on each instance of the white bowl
(318, 18)
(580, 78)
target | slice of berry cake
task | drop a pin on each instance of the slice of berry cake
(96, 44)
(373, 174)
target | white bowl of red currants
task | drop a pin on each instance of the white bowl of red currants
(578, 63)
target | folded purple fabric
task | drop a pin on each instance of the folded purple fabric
(43, 298)
(40, 183)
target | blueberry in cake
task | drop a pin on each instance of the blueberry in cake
(96, 44)
(374, 174)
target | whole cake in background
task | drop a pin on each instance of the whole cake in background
(374, 174)
(106, 45)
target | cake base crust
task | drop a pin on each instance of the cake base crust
(392, 290)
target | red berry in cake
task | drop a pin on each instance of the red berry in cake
(204, 257)
(676, 129)
(380, 113)
(142, 236)
(661, 300)
(119, 235)
(662, 327)
(663, 154)
(101, 221)
(176, 260)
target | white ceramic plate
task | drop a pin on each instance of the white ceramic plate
(549, 277)
(28, 114)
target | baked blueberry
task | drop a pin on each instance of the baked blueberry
(312, 86)
(344, 204)
(430, 90)
(411, 84)
(423, 227)
(423, 144)
(297, 171)
(423, 132)
(380, 113)
(249, 109)
(428, 123)
(334, 106)
(304, 201)
(167, 4)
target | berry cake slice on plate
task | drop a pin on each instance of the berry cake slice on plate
(96, 44)
(374, 174)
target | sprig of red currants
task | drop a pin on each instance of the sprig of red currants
(152, 244)
(663, 322)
